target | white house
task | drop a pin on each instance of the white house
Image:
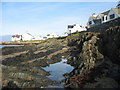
(65, 34)
(27, 36)
(104, 17)
(109, 15)
(52, 35)
(91, 20)
(113, 14)
(37, 37)
(16, 37)
(75, 27)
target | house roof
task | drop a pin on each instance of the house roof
(17, 36)
(116, 10)
(26, 34)
(93, 17)
(106, 12)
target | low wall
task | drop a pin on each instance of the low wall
(104, 26)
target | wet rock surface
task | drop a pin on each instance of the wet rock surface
(96, 58)
(24, 70)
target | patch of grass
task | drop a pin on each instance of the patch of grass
(30, 41)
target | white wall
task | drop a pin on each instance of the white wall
(16, 39)
(26, 36)
(90, 19)
(52, 35)
(76, 28)
(105, 19)
(110, 13)
(38, 37)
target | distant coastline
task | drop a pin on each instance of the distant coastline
(5, 38)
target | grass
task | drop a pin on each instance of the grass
(31, 41)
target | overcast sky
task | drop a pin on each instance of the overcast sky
(41, 18)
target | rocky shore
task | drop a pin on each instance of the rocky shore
(96, 58)
(22, 66)
(94, 55)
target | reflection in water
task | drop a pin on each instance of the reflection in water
(56, 86)
(58, 69)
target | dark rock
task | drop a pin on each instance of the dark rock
(11, 85)
(98, 56)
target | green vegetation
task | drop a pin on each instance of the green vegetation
(21, 42)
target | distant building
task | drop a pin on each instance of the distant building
(16, 37)
(65, 34)
(106, 16)
(44, 38)
(75, 27)
(38, 37)
(27, 36)
(52, 35)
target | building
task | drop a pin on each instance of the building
(65, 34)
(27, 36)
(52, 35)
(92, 20)
(75, 28)
(113, 14)
(37, 37)
(104, 17)
(16, 37)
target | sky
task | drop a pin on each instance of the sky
(41, 18)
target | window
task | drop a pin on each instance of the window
(90, 22)
(112, 16)
(106, 17)
(102, 18)
(70, 26)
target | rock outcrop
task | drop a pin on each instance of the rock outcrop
(22, 66)
(96, 58)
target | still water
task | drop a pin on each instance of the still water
(1, 46)
(56, 72)
(58, 69)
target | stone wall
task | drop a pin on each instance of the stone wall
(104, 26)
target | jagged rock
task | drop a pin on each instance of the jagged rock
(103, 83)
(99, 54)
(11, 84)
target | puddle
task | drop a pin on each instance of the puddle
(58, 69)
(56, 86)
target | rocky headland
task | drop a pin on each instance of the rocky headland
(95, 56)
